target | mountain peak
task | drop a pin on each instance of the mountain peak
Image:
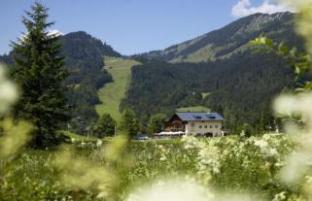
(85, 39)
(228, 40)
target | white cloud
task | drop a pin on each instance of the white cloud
(244, 8)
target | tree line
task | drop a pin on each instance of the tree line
(241, 88)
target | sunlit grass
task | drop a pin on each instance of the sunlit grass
(112, 94)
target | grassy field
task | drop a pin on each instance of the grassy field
(112, 94)
(84, 171)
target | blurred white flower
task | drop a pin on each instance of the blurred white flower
(99, 143)
(163, 152)
(265, 148)
(208, 156)
(280, 197)
(172, 190)
(183, 190)
(300, 160)
(8, 92)
(297, 165)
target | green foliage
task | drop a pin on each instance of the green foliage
(114, 92)
(6, 59)
(156, 123)
(241, 83)
(40, 73)
(231, 163)
(129, 123)
(300, 62)
(84, 61)
(106, 126)
(241, 87)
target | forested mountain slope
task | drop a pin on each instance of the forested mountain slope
(241, 82)
(240, 87)
(84, 60)
(84, 56)
(231, 39)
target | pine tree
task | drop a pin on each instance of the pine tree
(39, 71)
(156, 123)
(106, 126)
(129, 123)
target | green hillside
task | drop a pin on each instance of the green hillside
(112, 93)
(231, 39)
(241, 88)
(241, 80)
(194, 109)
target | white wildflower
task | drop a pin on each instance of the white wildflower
(73, 140)
(280, 197)
(163, 153)
(8, 91)
(243, 134)
(208, 154)
(265, 148)
(173, 190)
(101, 195)
(190, 142)
(298, 162)
(99, 143)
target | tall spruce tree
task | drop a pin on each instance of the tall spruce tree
(39, 71)
(130, 123)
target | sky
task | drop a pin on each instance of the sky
(133, 26)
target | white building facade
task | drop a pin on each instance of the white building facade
(204, 124)
(213, 128)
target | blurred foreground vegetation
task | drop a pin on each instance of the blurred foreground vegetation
(233, 163)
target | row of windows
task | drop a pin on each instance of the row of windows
(216, 126)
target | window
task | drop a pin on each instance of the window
(210, 126)
(206, 126)
(200, 127)
(216, 126)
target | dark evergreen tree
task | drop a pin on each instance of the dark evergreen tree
(130, 123)
(156, 123)
(105, 126)
(39, 71)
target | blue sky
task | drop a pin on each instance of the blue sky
(133, 26)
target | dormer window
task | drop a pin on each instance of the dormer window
(198, 117)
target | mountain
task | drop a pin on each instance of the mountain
(218, 70)
(7, 59)
(84, 60)
(87, 45)
(230, 39)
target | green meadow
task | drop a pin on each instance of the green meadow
(112, 93)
